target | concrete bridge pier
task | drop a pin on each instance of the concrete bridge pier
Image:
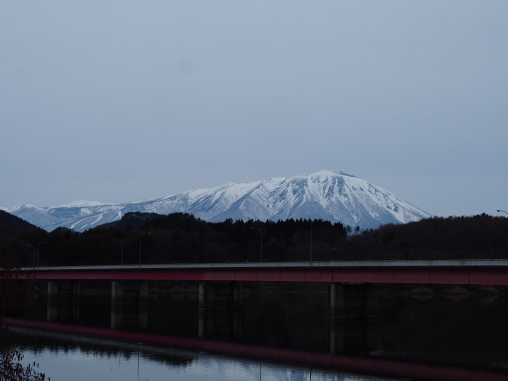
(129, 304)
(219, 296)
(353, 318)
(219, 310)
(63, 300)
(352, 301)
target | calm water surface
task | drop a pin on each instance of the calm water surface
(92, 361)
(448, 329)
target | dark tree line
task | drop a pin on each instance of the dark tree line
(178, 238)
(182, 238)
(476, 237)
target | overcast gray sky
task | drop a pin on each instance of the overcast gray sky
(123, 100)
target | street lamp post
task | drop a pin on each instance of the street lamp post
(261, 244)
(501, 211)
(141, 236)
(39, 251)
(33, 255)
(121, 249)
(310, 255)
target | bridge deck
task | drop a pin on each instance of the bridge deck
(474, 272)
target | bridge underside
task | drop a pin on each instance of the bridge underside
(219, 288)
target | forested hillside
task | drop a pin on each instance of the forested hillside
(181, 238)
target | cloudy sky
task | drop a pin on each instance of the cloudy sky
(121, 101)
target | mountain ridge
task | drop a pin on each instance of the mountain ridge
(327, 195)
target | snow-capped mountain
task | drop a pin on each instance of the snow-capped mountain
(333, 196)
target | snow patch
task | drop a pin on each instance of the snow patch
(79, 204)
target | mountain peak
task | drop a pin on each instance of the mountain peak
(325, 173)
(79, 204)
(20, 206)
(327, 195)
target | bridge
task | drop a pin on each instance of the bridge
(351, 298)
(351, 284)
(465, 272)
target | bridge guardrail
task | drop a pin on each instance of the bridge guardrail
(299, 264)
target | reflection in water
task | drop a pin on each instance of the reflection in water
(62, 356)
(220, 325)
(456, 329)
(354, 337)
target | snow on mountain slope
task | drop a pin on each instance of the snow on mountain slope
(333, 196)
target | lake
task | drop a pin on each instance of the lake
(277, 332)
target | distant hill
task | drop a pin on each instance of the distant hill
(131, 219)
(9, 219)
(18, 239)
(326, 195)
